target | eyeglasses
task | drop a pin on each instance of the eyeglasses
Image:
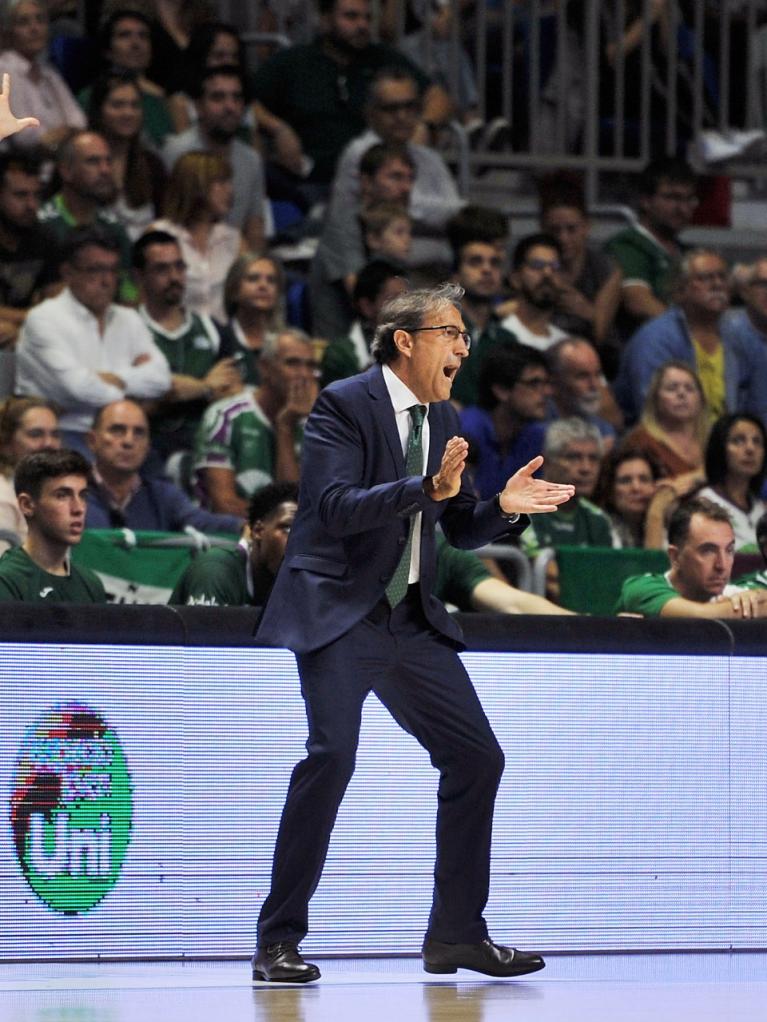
(683, 198)
(713, 277)
(294, 362)
(543, 264)
(97, 269)
(452, 333)
(407, 106)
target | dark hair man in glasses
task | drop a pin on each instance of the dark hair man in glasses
(382, 467)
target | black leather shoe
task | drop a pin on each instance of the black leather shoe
(281, 963)
(487, 957)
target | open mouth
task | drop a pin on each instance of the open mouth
(450, 372)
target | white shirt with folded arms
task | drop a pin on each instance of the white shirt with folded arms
(61, 353)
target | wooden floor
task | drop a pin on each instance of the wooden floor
(599, 988)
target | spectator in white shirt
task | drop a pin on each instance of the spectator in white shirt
(83, 351)
(38, 90)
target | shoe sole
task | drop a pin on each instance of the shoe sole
(260, 977)
(443, 969)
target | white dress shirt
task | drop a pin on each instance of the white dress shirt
(61, 352)
(402, 399)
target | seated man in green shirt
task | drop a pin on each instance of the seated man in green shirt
(701, 548)
(572, 452)
(243, 576)
(51, 489)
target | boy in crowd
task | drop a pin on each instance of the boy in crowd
(51, 488)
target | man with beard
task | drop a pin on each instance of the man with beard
(220, 108)
(84, 165)
(318, 92)
(649, 253)
(26, 268)
(477, 242)
(190, 343)
(579, 386)
(535, 268)
(731, 362)
(505, 429)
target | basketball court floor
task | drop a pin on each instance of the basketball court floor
(710, 987)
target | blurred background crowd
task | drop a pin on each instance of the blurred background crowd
(221, 198)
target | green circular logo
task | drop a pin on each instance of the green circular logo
(71, 808)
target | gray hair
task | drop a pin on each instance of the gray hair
(684, 269)
(407, 311)
(563, 432)
(272, 340)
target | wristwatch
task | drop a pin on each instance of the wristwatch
(512, 519)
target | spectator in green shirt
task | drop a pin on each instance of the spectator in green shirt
(701, 548)
(51, 488)
(243, 576)
(572, 453)
(649, 252)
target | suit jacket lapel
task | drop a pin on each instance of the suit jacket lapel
(385, 413)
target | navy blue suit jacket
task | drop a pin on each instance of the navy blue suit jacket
(354, 510)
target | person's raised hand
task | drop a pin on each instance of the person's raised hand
(447, 481)
(524, 494)
(10, 125)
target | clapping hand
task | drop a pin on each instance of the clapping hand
(10, 125)
(523, 494)
(447, 482)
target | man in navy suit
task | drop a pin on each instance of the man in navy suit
(382, 465)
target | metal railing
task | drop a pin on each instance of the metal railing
(571, 94)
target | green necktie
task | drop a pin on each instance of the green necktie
(397, 587)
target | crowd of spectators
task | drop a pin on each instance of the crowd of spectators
(158, 334)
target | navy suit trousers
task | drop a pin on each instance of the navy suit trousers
(418, 676)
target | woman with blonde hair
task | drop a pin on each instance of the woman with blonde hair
(674, 424)
(254, 299)
(27, 424)
(197, 200)
(673, 430)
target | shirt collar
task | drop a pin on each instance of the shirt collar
(172, 335)
(80, 310)
(117, 505)
(402, 397)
